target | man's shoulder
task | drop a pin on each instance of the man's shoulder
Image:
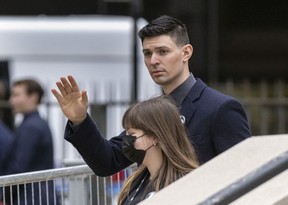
(35, 122)
(5, 132)
(212, 90)
(205, 94)
(35, 119)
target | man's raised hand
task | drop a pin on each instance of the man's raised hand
(73, 102)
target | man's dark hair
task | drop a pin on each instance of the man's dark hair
(31, 87)
(166, 25)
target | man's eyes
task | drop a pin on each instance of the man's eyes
(147, 53)
(160, 52)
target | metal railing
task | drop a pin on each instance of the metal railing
(78, 185)
(75, 185)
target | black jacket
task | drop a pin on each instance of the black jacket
(214, 121)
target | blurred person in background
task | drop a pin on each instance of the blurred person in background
(33, 146)
(6, 137)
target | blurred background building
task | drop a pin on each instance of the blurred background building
(232, 39)
(240, 47)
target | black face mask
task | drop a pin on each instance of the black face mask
(129, 150)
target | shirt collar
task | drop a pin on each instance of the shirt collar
(27, 115)
(180, 93)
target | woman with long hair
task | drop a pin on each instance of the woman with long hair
(157, 141)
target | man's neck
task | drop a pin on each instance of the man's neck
(167, 89)
(30, 110)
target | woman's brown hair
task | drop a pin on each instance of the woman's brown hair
(160, 118)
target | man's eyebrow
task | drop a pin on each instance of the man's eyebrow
(156, 48)
(144, 50)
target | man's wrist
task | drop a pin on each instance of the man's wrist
(78, 121)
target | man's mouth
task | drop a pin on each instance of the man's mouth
(157, 73)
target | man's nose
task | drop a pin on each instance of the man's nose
(154, 59)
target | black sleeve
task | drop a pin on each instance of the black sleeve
(103, 156)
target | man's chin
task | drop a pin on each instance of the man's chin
(159, 81)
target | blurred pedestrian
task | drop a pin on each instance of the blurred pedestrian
(6, 137)
(33, 145)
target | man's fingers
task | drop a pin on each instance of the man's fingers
(61, 88)
(57, 96)
(66, 85)
(73, 83)
(85, 97)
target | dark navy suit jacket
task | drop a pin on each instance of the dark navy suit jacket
(6, 140)
(32, 151)
(214, 122)
(33, 146)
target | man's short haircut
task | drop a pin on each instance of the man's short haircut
(166, 25)
(31, 87)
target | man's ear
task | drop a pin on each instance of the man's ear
(34, 98)
(187, 52)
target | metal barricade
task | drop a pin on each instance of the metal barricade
(76, 185)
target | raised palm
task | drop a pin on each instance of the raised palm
(73, 102)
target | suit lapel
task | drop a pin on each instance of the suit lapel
(188, 107)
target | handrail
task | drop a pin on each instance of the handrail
(249, 182)
(44, 175)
